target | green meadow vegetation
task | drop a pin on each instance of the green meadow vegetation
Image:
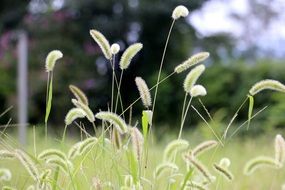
(123, 153)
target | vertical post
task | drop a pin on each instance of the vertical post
(22, 85)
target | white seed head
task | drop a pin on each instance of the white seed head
(192, 77)
(115, 48)
(51, 59)
(198, 90)
(267, 84)
(5, 174)
(279, 149)
(144, 91)
(73, 114)
(103, 43)
(225, 162)
(180, 11)
(193, 60)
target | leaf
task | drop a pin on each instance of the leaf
(49, 100)
(133, 166)
(146, 121)
(250, 108)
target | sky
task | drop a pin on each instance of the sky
(244, 22)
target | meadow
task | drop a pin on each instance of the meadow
(120, 153)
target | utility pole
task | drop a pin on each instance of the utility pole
(22, 85)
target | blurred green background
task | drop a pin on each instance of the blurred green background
(236, 62)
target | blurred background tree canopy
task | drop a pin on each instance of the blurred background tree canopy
(237, 60)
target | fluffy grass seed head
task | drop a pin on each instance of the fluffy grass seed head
(129, 54)
(203, 147)
(180, 11)
(73, 151)
(195, 185)
(65, 165)
(51, 59)
(260, 162)
(79, 94)
(115, 48)
(27, 162)
(114, 119)
(199, 166)
(174, 147)
(51, 153)
(192, 77)
(6, 154)
(116, 139)
(5, 174)
(102, 42)
(163, 168)
(193, 60)
(89, 114)
(86, 145)
(267, 84)
(144, 91)
(225, 162)
(224, 172)
(73, 114)
(279, 149)
(198, 90)
(137, 142)
(44, 177)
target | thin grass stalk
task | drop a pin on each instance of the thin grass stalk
(161, 64)
(206, 110)
(119, 91)
(184, 117)
(183, 108)
(112, 61)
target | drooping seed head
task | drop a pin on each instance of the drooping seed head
(5, 174)
(279, 149)
(51, 59)
(164, 167)
(65, 165)
(137, 142)
(260, 162)
(192, 77)
(129, 54)
(6, 154)
(193, 60)
(116, 139)
(195, 185)
(174, 147)
(102, 42)
(203, 147)
(115, 48)
(86, 145)
(28, 164)
(144, 91)
(51, 153)
(198, 90)
(89, 114)
(180, 11)
(73, 114)
(267, 84)
(79, 94)
(114, 119)
(224, 172)
(73, 151)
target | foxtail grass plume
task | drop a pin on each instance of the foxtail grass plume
(129, 54)
(6, 154)
(174, 147)
(86, 145)
(224, 172)
(193, 60)
(199, 166)
(195, 185)
(73, 114)
(62, 164)
(102, 42)
(260, 162)
(89, 114)
(198, 90)
(163, 168)
(144, 91)
(114, 119)
(180, 11)
(28, 164)
(51, 59)
(116, 139)
(192, 77)
(5, 174)
(115, 48)
(279, 149)
(73, 151)
(137, 142)
(79, 94)
(203, 147)
(51, 153)
(225, 162)
(267, 84)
